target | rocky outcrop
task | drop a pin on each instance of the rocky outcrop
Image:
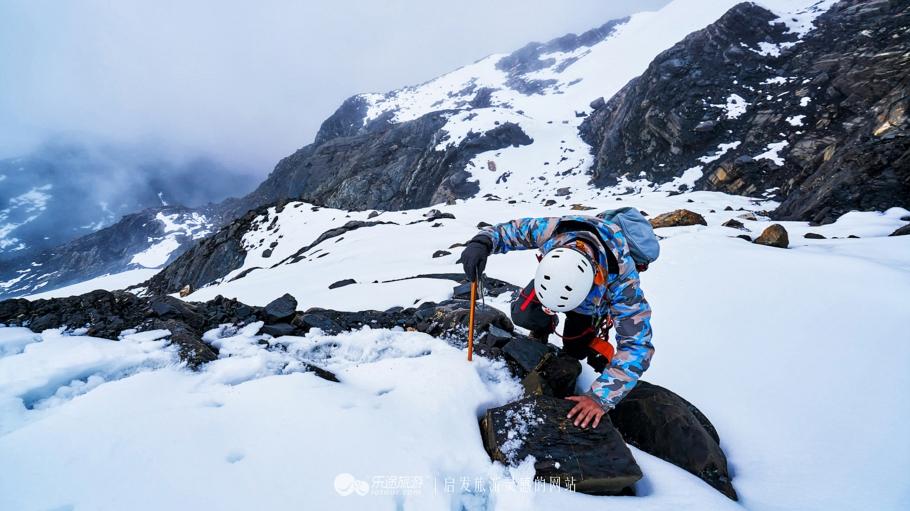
(207, 261)
(901, 231)
(774, 236)
(821, 121)
(665, 425)
(592, 460)
(678, 218)
(386, 166)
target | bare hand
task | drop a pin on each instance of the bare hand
(585, 410)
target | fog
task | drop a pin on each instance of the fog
(243, 82)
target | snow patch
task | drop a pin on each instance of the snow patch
(771, 152)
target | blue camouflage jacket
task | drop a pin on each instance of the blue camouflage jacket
(618, 295)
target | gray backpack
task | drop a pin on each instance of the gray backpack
(638, 232)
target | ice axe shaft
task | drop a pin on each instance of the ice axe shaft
(471, 320)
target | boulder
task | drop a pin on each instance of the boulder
(593, 460)
(342, 283)
(901, 231)
(189, 345)
(555, 375)
(278, 329)
(774, 236)
(665, 425)
(813, 236)
(280, 309)
(678, 218)
(734, 224)
(525, 352)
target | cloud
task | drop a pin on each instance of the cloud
(245, 82)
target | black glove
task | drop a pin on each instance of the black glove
(474, 256)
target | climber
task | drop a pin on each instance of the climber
(589, 271)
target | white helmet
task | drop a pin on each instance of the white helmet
(564, 279)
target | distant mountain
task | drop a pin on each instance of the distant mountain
(66, 189)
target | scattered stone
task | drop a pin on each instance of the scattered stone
(774, 236)
(563, 192)
(678, 218)
(525, 352)
(643, 213)
(745, 237)
(581, 207)
(441, 253)
(901, 231)
(322, 373)
(267, 253)
(728, 208)
(748, 216)
(481, 225)
(278, 329)
(435, 214)
(813, 236)
(280, 309)
(373, 214)
(665, 425)
(308, 320)
(853, 236)
(597, 103)
(342, 283)
(595, 461)
(186, 291)
(549, 203)
(734, 224)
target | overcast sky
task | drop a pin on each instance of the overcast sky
(249, 82)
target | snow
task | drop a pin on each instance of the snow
(735, 106)
(804, 101)
(108, 282)
(771, 152)
(795, 120)
(721, 150)
(156, 255)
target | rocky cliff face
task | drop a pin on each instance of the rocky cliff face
(148, 239)
(758, 105)
(380, 166)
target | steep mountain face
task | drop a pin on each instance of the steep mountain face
(389, 166)
(65, 189)
(760, 105)
(148, 239)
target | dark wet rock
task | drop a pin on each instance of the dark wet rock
(665, 425)
(495, 337)
(745, 237)
(774, 236)
(278, 329)
(189, 344)
(342, 283)
(593, 460)
(555, 375)
(526, 352)
(734, 224)
(441, 253)
(813, 236)
(322, 373)
(901, 231)
(678, 218)
(280, 309)
(314, 319)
